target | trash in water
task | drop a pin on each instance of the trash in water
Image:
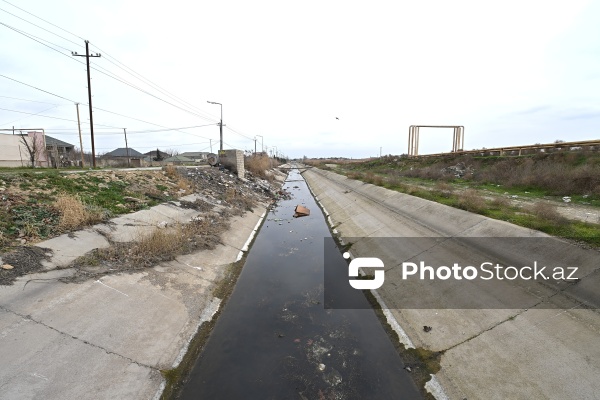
(301, 211)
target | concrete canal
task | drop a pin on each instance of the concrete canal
(275, 339)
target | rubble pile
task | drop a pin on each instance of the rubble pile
(219, 187)
(459, 170)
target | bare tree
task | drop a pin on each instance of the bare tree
(34, 149)
(172, 152)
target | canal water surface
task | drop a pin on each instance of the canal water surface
(275, 339)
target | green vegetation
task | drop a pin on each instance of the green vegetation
(486, 185)
(29, 207)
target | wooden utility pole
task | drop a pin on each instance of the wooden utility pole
(80, 140)
(127, 147)
(87, 61)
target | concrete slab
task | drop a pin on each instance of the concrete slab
(66, 248)
(108, 338)
(489, 353)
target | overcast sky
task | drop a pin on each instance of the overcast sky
(512, 72)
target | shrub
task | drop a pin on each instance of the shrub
(471, 201)
(547, 212)
(258, 165)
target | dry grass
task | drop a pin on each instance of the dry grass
(171, 171)
(181, 182)
(444, 189)
(500, 203)
(355, 175)
(471, 201)
(258, 165)
(548, 212)
(151, 249)
(74, 213)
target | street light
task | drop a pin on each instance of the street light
(262, 146)
(220, 123)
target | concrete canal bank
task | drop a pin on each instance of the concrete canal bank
(549, 349)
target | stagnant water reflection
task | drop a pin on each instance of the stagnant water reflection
(275, 340)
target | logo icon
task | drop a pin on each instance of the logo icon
(365, 262)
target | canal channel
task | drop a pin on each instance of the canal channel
(276, 340)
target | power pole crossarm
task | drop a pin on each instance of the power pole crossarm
(87, 61)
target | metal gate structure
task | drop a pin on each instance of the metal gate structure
(458, 139)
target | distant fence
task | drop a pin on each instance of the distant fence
(591, 145)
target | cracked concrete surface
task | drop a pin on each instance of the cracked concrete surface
(109, 338)
(529, 353)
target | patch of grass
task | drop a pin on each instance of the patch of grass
(33, 221)
(74, 213)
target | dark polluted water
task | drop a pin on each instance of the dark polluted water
(275, 340)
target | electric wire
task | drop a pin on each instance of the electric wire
(109, 73)
(44, 29)
(95, 108)
(50, 23)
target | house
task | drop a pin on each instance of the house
(156, 155)
(123, 153)
(178, 160)
(122, 157)
(197, 156)
(63, 148)
(15, 153)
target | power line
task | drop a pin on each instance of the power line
(152, 84)
(36, 88)
(33, 37)
(32, 101)
(48, 116)
(95, 108)
(109, 73)
(10, 122)
(50, 23)
(101, 70)
(29, 22)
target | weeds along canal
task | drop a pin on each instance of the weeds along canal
(275, 339)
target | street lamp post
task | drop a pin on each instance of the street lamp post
(220, 123)
(262, 146)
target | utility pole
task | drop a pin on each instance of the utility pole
(220, 123)
(127, 147)
(80, 140)
(210, 141)
(254, 145)
(87, 61)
